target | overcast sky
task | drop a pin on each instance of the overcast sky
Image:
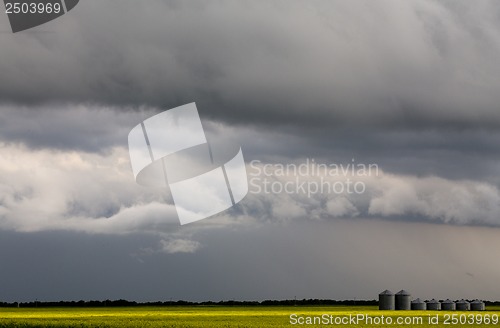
(410, 86)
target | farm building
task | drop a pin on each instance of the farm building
(418, 304)
(448, 305)
(433, 305)
(403, 300)
(386, 300)
(463, 305)
(477, 305)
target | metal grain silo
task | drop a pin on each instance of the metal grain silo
(403, 300)
(433, 305)
(386, 300)
(463, 305)
(477, 305)
(448, 305)
(418, 305)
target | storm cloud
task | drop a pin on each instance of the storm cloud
(326, 63)
(410, 86)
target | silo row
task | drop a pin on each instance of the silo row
(389, 301)
(402, 301)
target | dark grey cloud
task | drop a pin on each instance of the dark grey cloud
(446, 152)
(325, 63)
(79, 127)
(410, 86)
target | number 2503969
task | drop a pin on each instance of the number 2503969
(32, 8)
(471, 319)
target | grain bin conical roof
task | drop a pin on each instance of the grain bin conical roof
(403, 292)
(386, 292)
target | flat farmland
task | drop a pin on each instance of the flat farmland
(242, 316)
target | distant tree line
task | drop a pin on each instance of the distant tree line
(125, 303)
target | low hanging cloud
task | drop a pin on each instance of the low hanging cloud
(460, 202)
(58, 190)
(383, 195)
(49, 189)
